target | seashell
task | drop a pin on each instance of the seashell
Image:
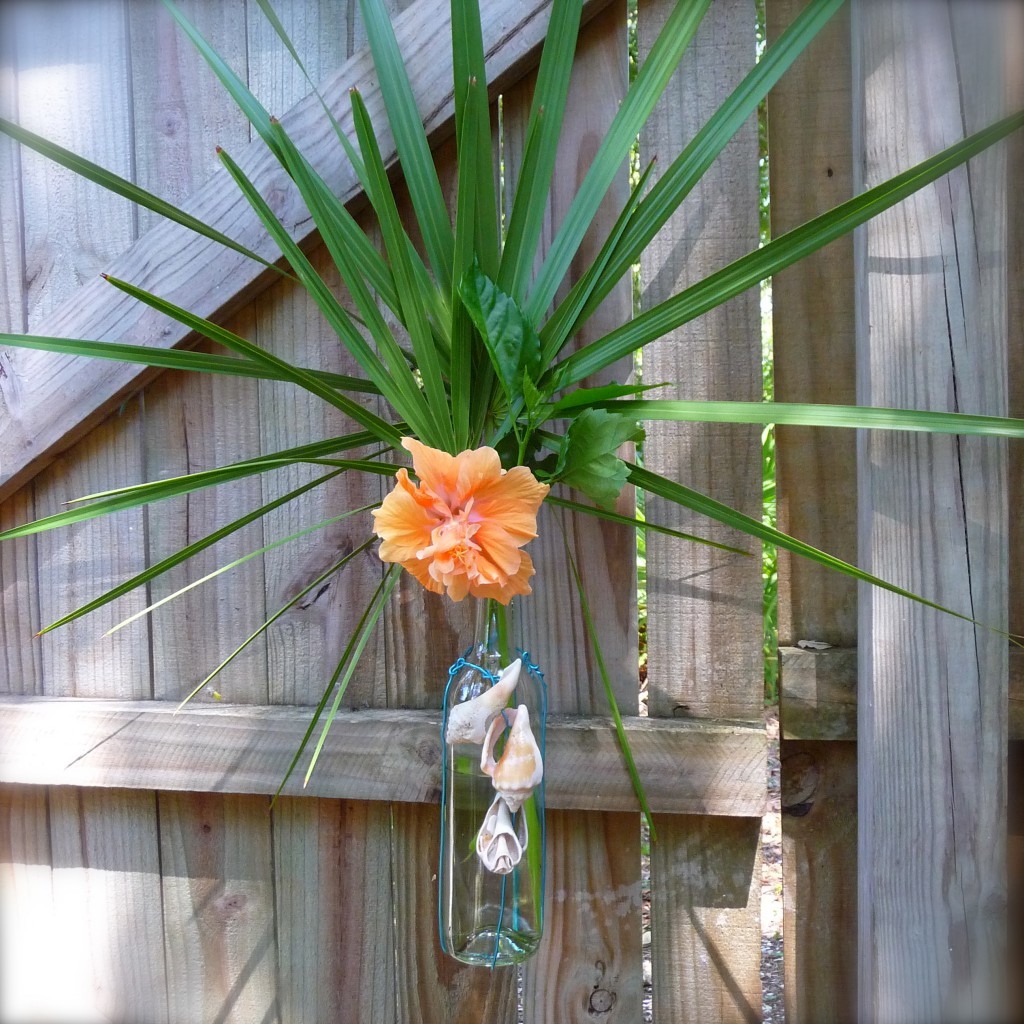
(520, 768)
(500, 843)
(468, 722)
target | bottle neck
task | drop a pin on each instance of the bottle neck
(493, 634)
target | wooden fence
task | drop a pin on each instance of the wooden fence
(143, 877)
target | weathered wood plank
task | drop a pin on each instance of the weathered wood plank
(590, 959)
(334, 941)
(108, 927)
(819, 699)
(27, 926)
(820, 691)
(195, 421)
(704, 608)
(218, 893)
(1013, 60)
(819, 857)
(687, 767)
(51, 400)
(932, 517)
(331, 934)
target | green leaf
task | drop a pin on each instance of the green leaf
(392, 375)
(595, 397)
(588, 461)
(613, 153)
(623, 248)
(410, 141)
(179, 359)
(779, 253)
(398, 247)
(609, 692)
(149, 609)
(566, 319)
(105, 502)
(382, 429)
(165, 564)
(362, 250)
(511, 341)
(537, 166)
(353, 654)
(374, 601)
(809, 415)
(290, 603)
(473, 137)
(120, 186)
(640, 524)
(689, 498)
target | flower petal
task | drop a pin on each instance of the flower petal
(402, 522)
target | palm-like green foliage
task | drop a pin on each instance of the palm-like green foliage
(469, 305)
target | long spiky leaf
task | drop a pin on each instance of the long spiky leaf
(227, 567)
(367, 626)
(165, 564)
(613, 152)
(777, 254)
(410, 141)
(179, 359)
(609, 691)
(290, 603)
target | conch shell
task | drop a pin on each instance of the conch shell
(468, 722)
(499, 843)
(520, 768)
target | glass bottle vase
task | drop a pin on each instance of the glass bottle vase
(490, 917)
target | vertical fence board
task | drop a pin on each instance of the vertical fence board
(331, 864)
(72, 86)
(194, 421)
(589, 963)
(811, 169)
(704, 606)
(1013, 58)
(932, 714)
(27, 925)
(218, 894)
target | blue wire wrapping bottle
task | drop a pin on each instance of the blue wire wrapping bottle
(491, 875)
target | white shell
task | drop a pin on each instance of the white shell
(499, 843)
(468, 722)
(520, 769)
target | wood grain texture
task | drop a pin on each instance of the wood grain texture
(590, 958)
(36, 421)
(704, 607)
(1013, 49)
(108, 926)
(20, 661)
(819, 857)
(932, 517)
(811, 169)
(193, 422)
(690, 767)
(821, 694)
(27, 925)
(329, 857)
(218, 897)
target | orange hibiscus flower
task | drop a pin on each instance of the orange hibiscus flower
(460, 529)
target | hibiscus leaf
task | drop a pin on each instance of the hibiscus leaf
(511, 340)
(587, 460)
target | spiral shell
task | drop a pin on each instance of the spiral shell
(520, 768)
(468, 722)
(500, 843)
